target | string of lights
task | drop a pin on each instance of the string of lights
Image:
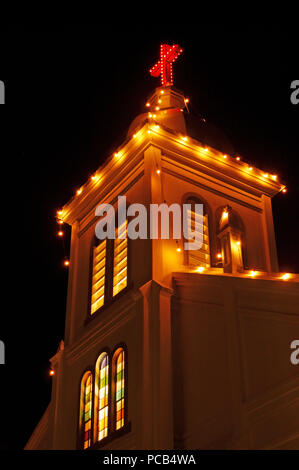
(164, 69)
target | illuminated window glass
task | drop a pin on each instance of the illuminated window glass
(98, 277)
(120, 259)
(103, 395)
(199, 257)
(120, 389)
(86, 409)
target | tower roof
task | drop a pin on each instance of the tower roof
(168, 106)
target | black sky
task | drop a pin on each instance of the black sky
(71, 93)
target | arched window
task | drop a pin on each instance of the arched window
(109, 268)
(120, 259)
(231, 239)
(102, 397)
(86, 409)
(98, 276)
(119, 388)
(202, 256)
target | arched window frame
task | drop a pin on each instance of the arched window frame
(109, 271)
(120, 348)
(112, 431)
(97, 398)
(211, 231)
(85, 443)
(235, 221)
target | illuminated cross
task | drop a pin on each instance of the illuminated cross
(163, 67)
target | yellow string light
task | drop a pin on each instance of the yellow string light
(285, 276)
(200, 269)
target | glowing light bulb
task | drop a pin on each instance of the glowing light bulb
(157, 108)
(184, 138)
(135, 135)
(238, 159)
(178, 250)
(200, 269)
(265, 175)
(159, 101)
(219, 256)
(284, 190)
(59, 212)
(147, 104)
(206, 149)
(250, 168)
(158, 171)
(224, 156)
(66, 262)
(162, 92)
(253, 273)
(186, 100)
(59, 221)
(224, 214)
(51, 372)
(274, 177)
(238, 243)
(79, 191)
(285, 276)
(116, 154)
(60, 233)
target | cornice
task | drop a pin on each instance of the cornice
(189, 154)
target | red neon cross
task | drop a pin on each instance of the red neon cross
(163, 67)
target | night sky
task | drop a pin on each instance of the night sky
(71, 93)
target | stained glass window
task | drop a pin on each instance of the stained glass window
(103, 396)
(98, 277)
(120, 259)
(87, 409)
(120, 389)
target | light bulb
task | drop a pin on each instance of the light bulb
(200, 269)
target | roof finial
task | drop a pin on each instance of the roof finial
(168, 54)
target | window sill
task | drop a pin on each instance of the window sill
(111, 437)
(108, 303)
